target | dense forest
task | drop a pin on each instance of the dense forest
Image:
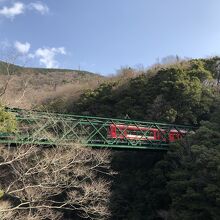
(182, 183)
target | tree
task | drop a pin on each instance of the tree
(8, 122)
(10, 92)
(194, 184)
(48, 183)
(188, 177)
(44, 183)
(154, 97)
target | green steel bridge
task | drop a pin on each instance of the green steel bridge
(49, 129)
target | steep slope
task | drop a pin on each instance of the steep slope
(184, 182)
(31, 86)
(177, 93)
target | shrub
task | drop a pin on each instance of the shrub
(8, 122)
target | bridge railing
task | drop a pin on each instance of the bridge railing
(44, 128)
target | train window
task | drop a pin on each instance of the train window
(150, 133)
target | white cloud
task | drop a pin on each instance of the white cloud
(10, 12)
(20, 8)
(40, 7)
(22, 48)
(47, 56)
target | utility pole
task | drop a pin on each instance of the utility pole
(218, 71)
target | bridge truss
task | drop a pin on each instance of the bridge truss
(42, 128)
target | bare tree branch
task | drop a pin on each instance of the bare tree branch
(41, 183)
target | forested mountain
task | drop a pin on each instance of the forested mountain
(179, 93)
(182, 183)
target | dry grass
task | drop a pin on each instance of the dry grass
(30, 88)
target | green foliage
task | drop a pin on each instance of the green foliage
(1, 193)
(15, 69)
(131, 198)
(96, 101)
(191, 175)
(211, 65)
(54, 105)
(175, 94)
(182, 95)
(6, 68)
(8, 122)
(197, 69)
(185, 183)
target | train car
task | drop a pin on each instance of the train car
(140, 133)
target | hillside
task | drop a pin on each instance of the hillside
(28, 87)
(182, 184)
(180, 92)
(16, 69)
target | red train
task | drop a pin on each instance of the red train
(132, 132)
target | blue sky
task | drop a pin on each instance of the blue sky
(104, 35)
